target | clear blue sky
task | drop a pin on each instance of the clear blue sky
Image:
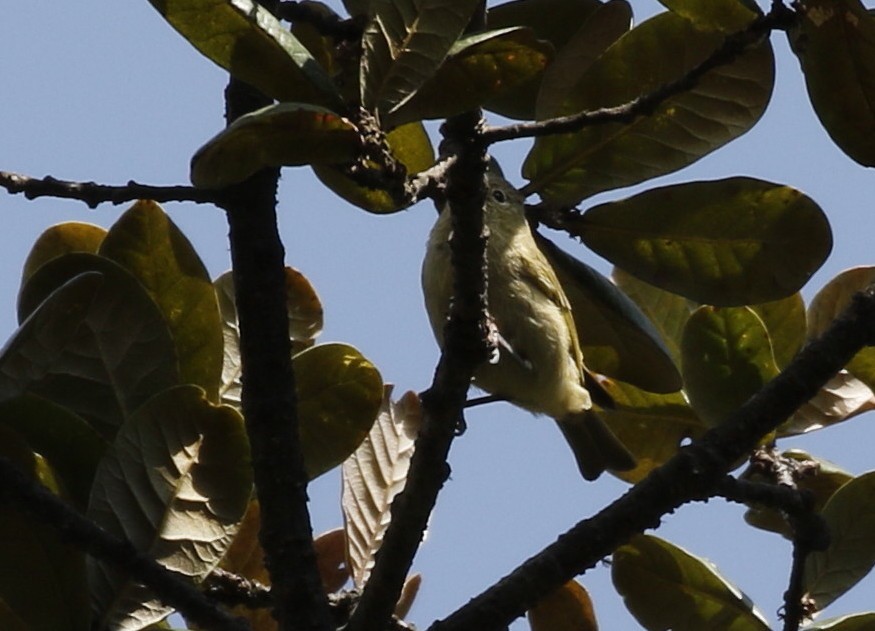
(109, 92)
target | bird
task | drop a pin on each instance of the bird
(538, 364)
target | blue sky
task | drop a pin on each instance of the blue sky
(109, 92)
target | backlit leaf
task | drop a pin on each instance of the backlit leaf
(666, 587)
(63, 238)
(727, 16)
(841, 398)
(568, 608)
(175, 483)
(850, 517)
(852, 622)
(408, 595)
(725, 242)
(722, 105)
(245, 39)
(284, 134)
(835, 43)
(785, 321)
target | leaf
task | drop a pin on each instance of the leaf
(305, 325)
(478, 67)
(403, 44)
(151, 247)
(568, 608)
(651, 426)
(726, 242)
(60, 239)
(283, 134)
(246, 40)
(822, 484)
(617, 339)
(330, 548)
(409, 145)
(722, 105)
(373, 476)
(830, 301)
(92, 341)
(835, 43)
(850, 517)
(726, 16)
(841, 398)
(339, 395)
(175, 483)
(666, 587)
(408, 595)
(601, 29)
(784, 319)
(727, 358)
(852, 622)
(42, 582)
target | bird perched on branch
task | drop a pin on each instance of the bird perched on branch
(539, 364)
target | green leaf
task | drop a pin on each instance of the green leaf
(100, 347)
(850, 517)
(339, 396)
(651, 426)
(830, 301)
(785, 321)
(617, 339)
(722, 105)
(568, 608)
(404, 43)
(726, 16)
(852, 622)
(245, 39)
(478, 67)
(409, 145)
(175, 483)
(727, 358)
(60, 239)
(726, 242)
(835, 43)
(42, 583)
(151, 247)
(284, 134)
(666, 587)
(605, 26)
(69, 444)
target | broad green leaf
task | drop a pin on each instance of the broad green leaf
(617, 339)
(666, 587)
(175, 483)
(409, 145)
(668, 312)
(852, 622)
(841, 398)
(726, 16)
(71, 446)
(850, 517)
(477, 68)
(568, 608)
(785, 321)
(321, 46)
(830, 301)
(283, 134)
(305, 325)
(151, 247)
(722, 105)
(727, 242)
(651, 426)
(339, 396)
(60, 239)
(101, 349)
(603, 27)
(822, 485)
(835, 43)
(42, 581)
(727, 358)
(404, 43)
(246, 40)
(373, 476)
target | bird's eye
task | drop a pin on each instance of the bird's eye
(499, 196)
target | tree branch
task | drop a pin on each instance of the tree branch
(696, 472)
(171, 588)
(327, 24)
(94, 194)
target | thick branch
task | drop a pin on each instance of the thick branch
(696, 472)
(24, 493)
(94, 194)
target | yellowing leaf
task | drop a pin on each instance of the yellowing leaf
(569, 608)
(60, 239)
(330, 548)
(373, 476)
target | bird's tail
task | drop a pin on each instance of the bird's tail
(594, 445)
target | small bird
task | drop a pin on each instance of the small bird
(539, 364)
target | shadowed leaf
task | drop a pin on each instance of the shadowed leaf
(568, 608)
(726, 16)
(60, 239)
(785, 321)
